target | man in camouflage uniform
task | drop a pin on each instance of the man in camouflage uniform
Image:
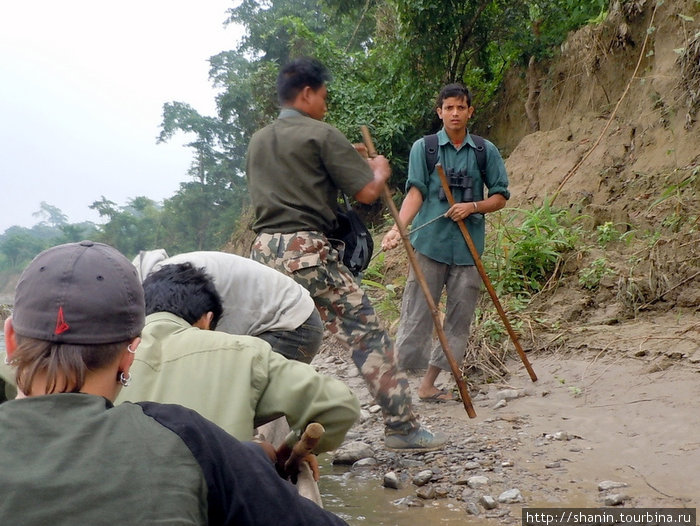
(295, 167)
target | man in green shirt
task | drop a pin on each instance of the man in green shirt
(441, 250)
(236, 381)
(295, 167)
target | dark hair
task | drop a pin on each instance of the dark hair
(68, 360)
(453, 90)
(298, 74)
(183, 290)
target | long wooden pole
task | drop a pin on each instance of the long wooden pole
(484, 276)
(420, 277)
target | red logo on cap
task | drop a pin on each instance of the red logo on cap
(61, 325)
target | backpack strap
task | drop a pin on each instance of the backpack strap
(431, 152)
(480, 152)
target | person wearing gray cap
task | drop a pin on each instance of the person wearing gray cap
(69, 456)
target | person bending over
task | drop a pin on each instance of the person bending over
(257, 300)
(235, 381)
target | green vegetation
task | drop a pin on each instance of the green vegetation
(525, 250)
(388, 59)
(591, 276)
(385, 298)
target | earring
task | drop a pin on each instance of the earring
(125, 379)
(128, 348)
(7, 361)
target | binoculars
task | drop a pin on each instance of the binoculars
(459, 183)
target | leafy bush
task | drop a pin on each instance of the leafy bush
(525, 250)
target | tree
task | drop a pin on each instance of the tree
(388, 58)
(74, 232)
(50, 215)
(19, 245)
(134, 227)
(199, 217)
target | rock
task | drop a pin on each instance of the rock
(352, 452)
(607, 485)
(410, 463)
(375, 409)
(615, 499)
(462, 479)
(508, 394)
(467, 495)
(510, 496)
(500, 404)
(552, 465)
(441, 492)
(472, 465)
(411, 502)
(561, 435)
(477, 481)
(426, 492)
(365, 463)
(391, 480)
(364, 416)
(472, 509)
(506, 464)
(488, 502)
(423, 477)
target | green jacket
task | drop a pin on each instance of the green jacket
(235, 381)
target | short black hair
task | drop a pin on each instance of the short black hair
(184, 291)
(453, 90)
(299, 73)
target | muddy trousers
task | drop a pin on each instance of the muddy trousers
(311, 261)
(414, 338)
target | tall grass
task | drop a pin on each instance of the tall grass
(524, 248)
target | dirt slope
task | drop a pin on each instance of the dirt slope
(635, 131)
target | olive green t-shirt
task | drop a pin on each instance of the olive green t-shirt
(295, 167)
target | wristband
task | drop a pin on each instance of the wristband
(475, 207)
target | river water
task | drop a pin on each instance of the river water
(362, 501)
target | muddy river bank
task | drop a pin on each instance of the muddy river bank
(596, 429)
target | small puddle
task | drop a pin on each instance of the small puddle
(360, 499)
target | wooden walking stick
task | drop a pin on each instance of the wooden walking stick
(305, 446)
(484, 276)
(456, 373)
(297, 468)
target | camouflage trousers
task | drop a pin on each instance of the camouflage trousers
(314, 263)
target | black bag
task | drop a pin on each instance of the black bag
(357, 238)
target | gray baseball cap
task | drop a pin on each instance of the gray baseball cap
(82, 293)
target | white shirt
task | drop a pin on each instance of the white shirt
(255, 298)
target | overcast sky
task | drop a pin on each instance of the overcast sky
(82, 88)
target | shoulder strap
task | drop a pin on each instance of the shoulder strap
(346, 201)
(480, 152)
(431, 151)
